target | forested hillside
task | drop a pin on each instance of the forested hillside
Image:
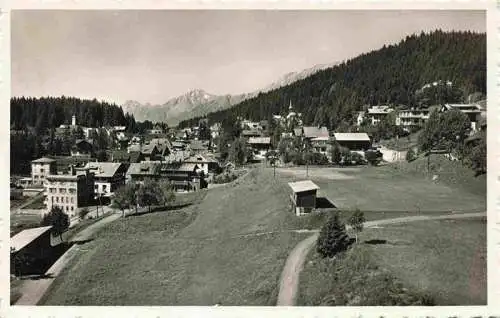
(390, 75)
(49, 112)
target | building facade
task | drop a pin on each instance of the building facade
(70, 191)
(41, 168)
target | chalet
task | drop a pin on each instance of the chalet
(33, 244)
(353, 141)
(206, 164)
(184, 176)
(108, 176)
(178, 146)
(82, 148)
(138, 172)
(42, 167)
(411, 118)
(197, 146)
(150, 152)
(247, 133)
(303, 196)
(473, 111)
(260, 146)
(163, 145)
(315, 132)
(375, 114)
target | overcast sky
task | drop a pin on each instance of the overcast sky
(151, 56)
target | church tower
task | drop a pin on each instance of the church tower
(73, 120)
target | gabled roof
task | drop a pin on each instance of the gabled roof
(104, 169)
(351, 137)
(314, 132)
(148, 149)
(259, 140)
(200, 159)
(144, 168)
(302, 186)
(44, 160)
(25, 237)
(196, 145)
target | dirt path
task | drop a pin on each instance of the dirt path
(289, 281)
(33, 290)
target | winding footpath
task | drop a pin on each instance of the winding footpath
(289, 281)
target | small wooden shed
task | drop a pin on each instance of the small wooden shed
(303, 196)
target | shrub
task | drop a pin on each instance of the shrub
(374, 157)
(83, 213)
(332, 237)
(410, 155)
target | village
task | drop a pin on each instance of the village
(188, 159)
(249, 158)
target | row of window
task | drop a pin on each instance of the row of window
(68, 199)
(63, 190)
(68, 208)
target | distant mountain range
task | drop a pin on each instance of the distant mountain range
(198, 103)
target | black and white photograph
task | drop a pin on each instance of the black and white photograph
(248, 157)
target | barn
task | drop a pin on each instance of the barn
(303, 196)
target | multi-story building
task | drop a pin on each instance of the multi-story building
(70, 191)
(409, 118)
(108, 176)
(376, 113)
(42, 167)
(473, 111)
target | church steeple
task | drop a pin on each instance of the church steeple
(290, 107)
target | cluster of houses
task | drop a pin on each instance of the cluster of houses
(409, 118)
(76, 181)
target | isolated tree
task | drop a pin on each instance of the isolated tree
(167, 194)
(58, 220)
(478, 156)
(335, 154)
(356, 222)
(149, 193)
(238, 152)
(123, 198)
(332, 237)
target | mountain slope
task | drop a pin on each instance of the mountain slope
(392, 74)
(198, 103)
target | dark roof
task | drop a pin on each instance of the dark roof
(144, 168)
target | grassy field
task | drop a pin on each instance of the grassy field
(440, 262)
(394, 189)
(196, 255)
(199, 254)
(403, 143)
(19, 222)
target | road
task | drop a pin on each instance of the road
(289, 281)
(33, 290)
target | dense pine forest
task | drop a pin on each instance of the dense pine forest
(49, 112)
(394, 74)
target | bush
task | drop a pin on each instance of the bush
(332, 238)
(411, 155)
(225, 177)
(83, 213)
(374, 157)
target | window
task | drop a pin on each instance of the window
(72, 191)
(67, 208)
(71, 200)
(72, 208)
(41, 170)
(96, 187)
(104, 186)
(62, 190)
(67, 200)
(57, 199)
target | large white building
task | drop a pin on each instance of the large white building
(409, 118)
(70, 191)
(42, 167)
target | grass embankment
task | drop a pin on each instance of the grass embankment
(20, 222)
(197, 255)
(403, 143)
(440, 262)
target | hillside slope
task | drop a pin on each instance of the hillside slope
(392, 74)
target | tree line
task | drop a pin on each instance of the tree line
(394, 74)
